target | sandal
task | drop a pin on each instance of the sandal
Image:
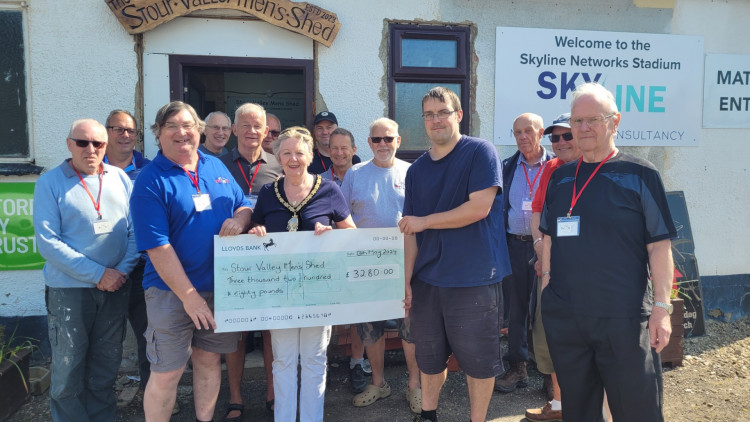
(269, 406)
(234, 407)
(414, 397)
(371, 395)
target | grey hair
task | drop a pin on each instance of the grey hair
(113, 113)
(93, 122)
(384, 122)
(343, 132)
(250, 108)
(597, 91)
(218, 113)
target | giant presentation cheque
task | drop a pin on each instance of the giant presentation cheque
(290, 280)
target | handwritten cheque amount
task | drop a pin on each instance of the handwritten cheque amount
(289, 280)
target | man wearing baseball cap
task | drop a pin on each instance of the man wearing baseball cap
(324, 124)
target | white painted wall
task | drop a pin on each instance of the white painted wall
(83, 64)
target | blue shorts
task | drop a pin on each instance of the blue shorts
(464, 321)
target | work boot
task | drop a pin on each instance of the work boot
(357, 379)
(514, 377)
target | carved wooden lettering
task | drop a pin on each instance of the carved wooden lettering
(138, 16)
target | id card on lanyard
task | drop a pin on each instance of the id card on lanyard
(250, 197)
(201, 201)
(100, 225)
(571, 225)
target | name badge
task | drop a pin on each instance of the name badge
(568, 226)
(526, 205)
(202, 202)
(253, 200)
(102, 226)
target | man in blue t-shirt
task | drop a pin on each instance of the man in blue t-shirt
(455, 255)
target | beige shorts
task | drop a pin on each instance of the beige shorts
(541, 350)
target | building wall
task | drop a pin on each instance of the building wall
(82, 63)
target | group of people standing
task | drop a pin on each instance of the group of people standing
(142, 248)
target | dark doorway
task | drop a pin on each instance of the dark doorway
(282, 87)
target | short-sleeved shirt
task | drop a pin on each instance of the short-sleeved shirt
(375, 195)
(541, 192)
(164, 213)
(327, 206)
(332, 176)
(267, 167)
(603, 271)
(472, 255)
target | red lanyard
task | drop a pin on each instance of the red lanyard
(195, 179)
(250, 183)
(97, 203)
(575, 197)
(323, 162)
(528, 181)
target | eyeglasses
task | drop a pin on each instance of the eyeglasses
(221, 128)
(174, 127)
(564, 137)
(387, 139)
(442, 115)
(274, 133)
(590, 121)
(84, 143)
(122, 130)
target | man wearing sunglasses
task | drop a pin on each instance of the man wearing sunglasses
(374, 191)
(84, 232)
(217, 132)
(566, 150)
(274, 130)
(520, 179)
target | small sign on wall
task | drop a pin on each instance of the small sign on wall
(726, 91)
(17, 241)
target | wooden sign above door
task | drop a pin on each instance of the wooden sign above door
(138, 16)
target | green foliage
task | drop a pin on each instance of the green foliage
(13, 346)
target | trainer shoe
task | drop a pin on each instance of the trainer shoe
(544, 414)
(513, 378)
(357, 379)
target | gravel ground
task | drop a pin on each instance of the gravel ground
(712, 385)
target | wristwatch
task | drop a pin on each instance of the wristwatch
(666, 306)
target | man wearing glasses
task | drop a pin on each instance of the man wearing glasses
(607, 230)
(122, 134)
(84, 232)
(274, 130)
(520, 179)
(218, 129)
(454, 256)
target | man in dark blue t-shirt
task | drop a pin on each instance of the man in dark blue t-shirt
(455, 255)
(607, 229)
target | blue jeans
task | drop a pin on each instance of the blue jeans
(86, 330)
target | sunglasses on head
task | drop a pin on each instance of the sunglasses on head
(556, 138)
(83, 143)
(377, 139)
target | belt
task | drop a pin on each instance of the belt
(521, 237)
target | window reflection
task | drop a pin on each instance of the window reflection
(429, 53)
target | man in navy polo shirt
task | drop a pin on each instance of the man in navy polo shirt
(455, 256)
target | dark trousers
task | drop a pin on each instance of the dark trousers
(522, 285)
(138, 319)
(593, 354)
(86, 329)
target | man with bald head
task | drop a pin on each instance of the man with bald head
(520, 179)
(84, 232)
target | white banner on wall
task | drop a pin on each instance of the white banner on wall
(655, 78)
(726, 93)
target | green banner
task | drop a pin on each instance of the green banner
(17, 242)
